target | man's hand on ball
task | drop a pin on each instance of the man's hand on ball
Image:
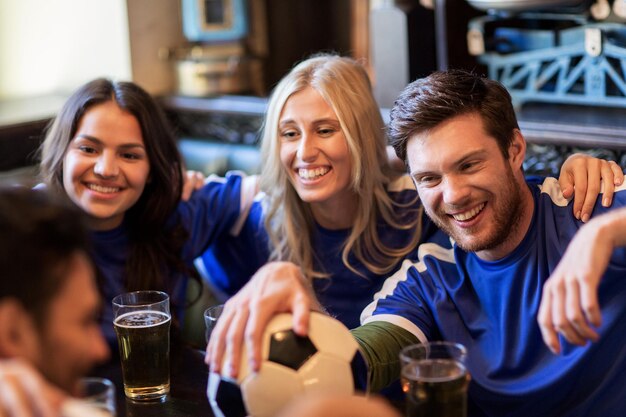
(277, 287)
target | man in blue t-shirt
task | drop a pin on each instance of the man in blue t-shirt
(459, 136)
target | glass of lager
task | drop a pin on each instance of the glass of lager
(434, 379)
(142, 323)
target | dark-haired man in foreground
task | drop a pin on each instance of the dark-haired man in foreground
(49, 305)
(460, 138)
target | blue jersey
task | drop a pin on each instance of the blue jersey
(210, 212)
(232, 260)
(491, 308)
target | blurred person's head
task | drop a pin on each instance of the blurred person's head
(325, 162)
(49, 303)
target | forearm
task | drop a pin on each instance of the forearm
(380, 344)
(613, 226)
(569, 303)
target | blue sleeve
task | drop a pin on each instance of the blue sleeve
(403, 300)
(231, 260)
(535, 179)
(210, 212)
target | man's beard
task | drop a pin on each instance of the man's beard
(506, 218)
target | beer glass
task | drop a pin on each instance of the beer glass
(434, 379)
(211, 315)
(99, 392)
(97, 399)
(142, 323)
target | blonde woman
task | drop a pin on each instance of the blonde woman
(330, 201)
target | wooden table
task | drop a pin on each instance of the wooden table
(187, 398)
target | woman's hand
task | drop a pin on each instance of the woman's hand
(25, 393)
(581, 176)
(277, 287)
(192, 181)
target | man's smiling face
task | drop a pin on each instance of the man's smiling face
(468, 188)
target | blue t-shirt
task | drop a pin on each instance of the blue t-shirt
(232, 259)
(210, 212)
(491, 308)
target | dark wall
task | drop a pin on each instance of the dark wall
(451, 23)
(19, 144)
(299, 28)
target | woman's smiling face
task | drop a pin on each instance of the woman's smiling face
(314, 150)
(106, 167)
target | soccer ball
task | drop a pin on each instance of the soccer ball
(291, 366)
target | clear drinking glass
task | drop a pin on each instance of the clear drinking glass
(142, 322)
(97, 399)
(100, 392)
(211, 315)
(434, 379)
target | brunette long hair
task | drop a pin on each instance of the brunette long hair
(155, 248)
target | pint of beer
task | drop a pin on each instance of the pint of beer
(142, 323)
(434, 379)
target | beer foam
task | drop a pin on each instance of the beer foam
(141, 319)
(434, 370)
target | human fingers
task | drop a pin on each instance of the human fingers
(573, 177)
(581, 331)
(546, 325)
(11, 400)
(618, 173)
(559, 314)
(580, 190)
(260, 315)
(567, 190)
(45, 398)
(188, 188)
(566, 182)
(192, 180)
(589, 302)
(608, 181)
(24, 393)
(234, 340)
(217, 343)
(280, 288)
(301, 307)
(594, 174)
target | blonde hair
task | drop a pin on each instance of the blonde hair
(345, 86)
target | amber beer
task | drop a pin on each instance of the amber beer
(144, 340)
(441, 396)
(142, 323)
(434, 379)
